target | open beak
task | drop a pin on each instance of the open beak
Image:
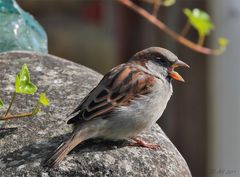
(173, 74)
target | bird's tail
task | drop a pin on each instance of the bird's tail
(64, 149)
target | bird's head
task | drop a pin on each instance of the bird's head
(160, 62)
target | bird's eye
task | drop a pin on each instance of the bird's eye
(161, 60)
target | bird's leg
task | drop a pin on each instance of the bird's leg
(142, 143)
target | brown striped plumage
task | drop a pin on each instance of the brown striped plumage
(129, 99)
(125, 78)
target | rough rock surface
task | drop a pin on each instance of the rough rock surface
(25, 143)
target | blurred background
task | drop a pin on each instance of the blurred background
(202, 118)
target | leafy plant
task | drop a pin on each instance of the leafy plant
(157, 3)
(223, 43)
(1, 103)
(168, 3)
(43, 99)
(197, 19)
(201, 21)
(160, 2)
(23, 85)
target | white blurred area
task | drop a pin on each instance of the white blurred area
(224, 93)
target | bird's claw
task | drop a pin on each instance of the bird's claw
(142, 143)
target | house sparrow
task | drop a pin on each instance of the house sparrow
(129, 99)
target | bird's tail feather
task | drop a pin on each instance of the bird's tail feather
(62, 151)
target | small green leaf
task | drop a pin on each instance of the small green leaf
(43, 99)
(200, 20)
(35, 111)
(168, 3)
(1, 103)
(23, 84)
(223, 42)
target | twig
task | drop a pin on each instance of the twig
(22, 115)
(201, 39)
(156, 7)
(11, 103)
(171, 33)
(186, 29)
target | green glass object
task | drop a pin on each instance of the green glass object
(19, 30)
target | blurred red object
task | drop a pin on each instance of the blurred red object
(92, 11)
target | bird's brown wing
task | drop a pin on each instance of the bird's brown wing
(118, 88)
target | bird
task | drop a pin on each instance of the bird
(129, 99)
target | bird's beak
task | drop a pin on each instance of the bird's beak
(173, 74)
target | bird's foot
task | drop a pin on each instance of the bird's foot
(142, 143)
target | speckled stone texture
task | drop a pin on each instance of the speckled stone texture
(26, 143)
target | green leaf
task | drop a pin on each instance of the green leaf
(1, 103)
(35, 111)
(223, 42)
(168, 3)
(23, 84)
(43, 99)
(200, 20)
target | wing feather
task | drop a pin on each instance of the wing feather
(118, 88)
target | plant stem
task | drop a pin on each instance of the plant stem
(21, 115)
(159, 24)
(201, 39)
(156, 7)
(11, 103)
(36, 109)
(185, 29)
